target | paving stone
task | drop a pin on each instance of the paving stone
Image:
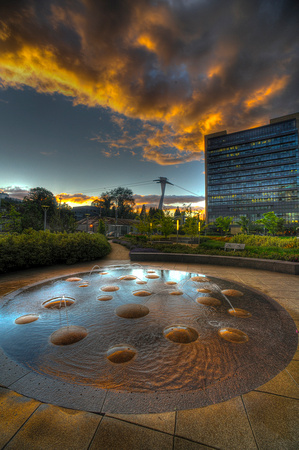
(51, 427)
(162, 422)
(293, 369)
(184, 444)
(282, 384)
(115, 434)
(274, 420)
(14, 411)
(224, 426)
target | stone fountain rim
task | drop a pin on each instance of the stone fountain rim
(31, 384)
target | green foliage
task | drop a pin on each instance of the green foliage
(144, 225)
(271, 222)
(39, 248)
(244, 223)
(190, 226)
(101, 227)
(167, 225)
(122, 201)
(265, 241)
(11, 220)
(223, 223)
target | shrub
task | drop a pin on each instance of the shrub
(266, 241)
(38, 248)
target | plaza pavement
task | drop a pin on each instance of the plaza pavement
(265, 418)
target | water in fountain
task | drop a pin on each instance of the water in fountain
(163, 328)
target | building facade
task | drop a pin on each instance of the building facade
(255, 171)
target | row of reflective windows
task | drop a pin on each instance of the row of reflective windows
(253, 186)
(276, 142)
(264, 196)
(257, 192)
(263, 132)
(288, 217)
(263, 179)
(247, 202)
(253, 152)
(251, 160)
(284, 170)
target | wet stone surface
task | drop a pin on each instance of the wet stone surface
(181, 334)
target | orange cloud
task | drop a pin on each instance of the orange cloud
(259, 96)
(179, 66)
(75, 199)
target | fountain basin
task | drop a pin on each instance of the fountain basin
(174, 356)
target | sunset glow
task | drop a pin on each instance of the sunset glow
(97, 92)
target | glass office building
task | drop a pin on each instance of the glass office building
(252, 172)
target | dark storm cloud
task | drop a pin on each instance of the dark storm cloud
(192, 67)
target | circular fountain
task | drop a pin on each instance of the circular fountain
(181, 341)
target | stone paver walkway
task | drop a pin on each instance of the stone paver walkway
(266, 418)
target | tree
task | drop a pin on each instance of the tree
(63, 219)
(101, 227)
(122, 200)
(11, 220)
(177, 213)
(167, 224)
(223, 223)
(244, 224)
(144, 225)
(191, 226)
(99, 202)
(271, 222)
(32, 211)
(143, 212)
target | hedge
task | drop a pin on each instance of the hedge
(42, 248)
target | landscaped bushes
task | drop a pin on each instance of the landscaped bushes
(39, 248)
(265, 241)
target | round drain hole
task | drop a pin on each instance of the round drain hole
(132, 311)
(110, 288)
(232, 292)
(58, 302)
(68, 335)
(233, 335)
(120, 354)
(180, 334)
(28, 318)
(208, 301)
(238, 312)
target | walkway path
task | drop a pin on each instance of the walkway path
(266, 418)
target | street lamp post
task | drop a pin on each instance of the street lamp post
(177, 230)
(198, 231)
(45, 207)
(87, 223)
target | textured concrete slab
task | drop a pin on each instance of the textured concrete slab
(161, 422)
(184, 444)
(115, 434)
(15, 410)
(224, 426)
(56, 428)
(282, 384)
(293, 369)
(274, 420)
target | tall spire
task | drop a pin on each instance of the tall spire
(163, 181)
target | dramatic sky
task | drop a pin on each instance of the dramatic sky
(96, 94)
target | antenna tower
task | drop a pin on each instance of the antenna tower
(163, 181)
